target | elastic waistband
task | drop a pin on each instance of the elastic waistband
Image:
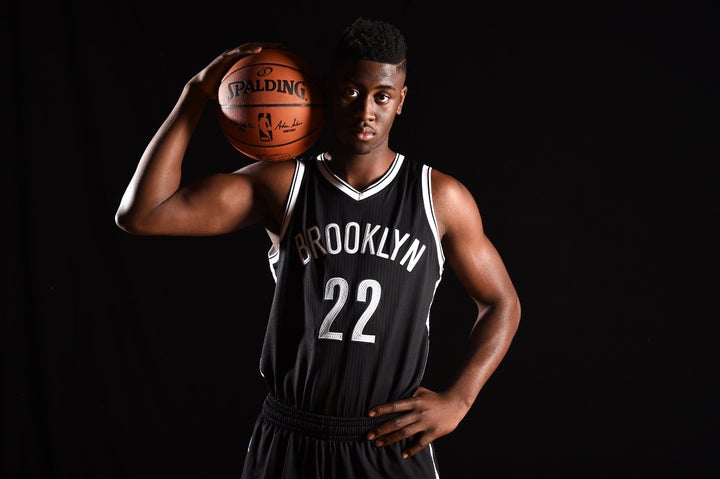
(330, 428)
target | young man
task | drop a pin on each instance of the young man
(359, 238)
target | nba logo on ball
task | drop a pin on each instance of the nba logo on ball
(270, 105)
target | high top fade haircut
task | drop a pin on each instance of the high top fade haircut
(373, 40)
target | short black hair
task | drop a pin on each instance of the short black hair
(374, 40)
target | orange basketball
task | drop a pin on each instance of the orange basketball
(270, 105)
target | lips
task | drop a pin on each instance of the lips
(364, 133)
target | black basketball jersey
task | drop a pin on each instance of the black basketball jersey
(355, 277)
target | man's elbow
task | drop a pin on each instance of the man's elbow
(128, 221)
(513, 307)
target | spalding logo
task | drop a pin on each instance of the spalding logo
(290, 87)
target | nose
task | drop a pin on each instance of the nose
(366, 108)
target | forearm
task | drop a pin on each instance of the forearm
(158, 173)
(488, 344)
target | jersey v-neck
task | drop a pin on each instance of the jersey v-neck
(372, 189)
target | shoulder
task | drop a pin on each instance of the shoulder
(269, 173)
(448, 190)
(271, 183)
(453, 202)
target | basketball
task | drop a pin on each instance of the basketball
(270, 105)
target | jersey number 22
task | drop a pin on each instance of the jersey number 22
(340, 286)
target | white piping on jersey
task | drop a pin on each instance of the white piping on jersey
(432, 222)
(274, 253)
(434, 461)
(376, 187)
(292, 197)
(430, 213)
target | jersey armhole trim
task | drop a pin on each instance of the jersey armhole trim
(274, 253)
(430, 213)
(292, 197)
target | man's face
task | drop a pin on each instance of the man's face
(364, 97)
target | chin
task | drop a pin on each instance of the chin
(361, 147)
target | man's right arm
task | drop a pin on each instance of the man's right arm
(155, 203)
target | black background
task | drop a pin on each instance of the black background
(586, 131)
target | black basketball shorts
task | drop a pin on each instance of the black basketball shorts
(290, 444)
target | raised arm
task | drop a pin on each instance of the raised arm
(154, 203)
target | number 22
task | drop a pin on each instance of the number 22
(341, 286)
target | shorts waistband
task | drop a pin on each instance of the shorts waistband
(329, 428)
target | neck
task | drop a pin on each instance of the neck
(360, 170)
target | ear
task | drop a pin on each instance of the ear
(403, 94)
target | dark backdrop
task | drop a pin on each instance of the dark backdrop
(586, 132)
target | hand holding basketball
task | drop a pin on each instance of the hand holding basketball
(209, 78)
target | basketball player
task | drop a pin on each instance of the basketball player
(359, 237)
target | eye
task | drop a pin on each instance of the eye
(350, 93)
(382, 98)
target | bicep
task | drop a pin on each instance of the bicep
(208, 206)
(213, 205)
(216, 204)
(470, 253)
(223, 203)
